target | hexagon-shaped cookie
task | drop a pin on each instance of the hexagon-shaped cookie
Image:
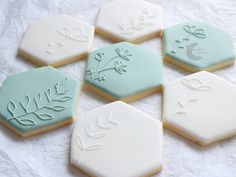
(56, 41)
(132, 20)
(195, 46)
(123, 71)
(200, 107)
(117, 140)
(38, 100)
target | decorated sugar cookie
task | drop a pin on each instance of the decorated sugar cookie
(123, 71)
(117, 140)
(195, 46)
(132, 20)
(201, 107)
(56, 41)
(38, 100)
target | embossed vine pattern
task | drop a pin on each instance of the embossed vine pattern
(137, 24)
(38, 104)
(100, 130)
(192, 31)
(115, 63)
(193, 85)
(67, 34)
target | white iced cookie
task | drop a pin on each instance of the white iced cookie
(129, 20)
(117, 140)
(201, 107)
(56, 41)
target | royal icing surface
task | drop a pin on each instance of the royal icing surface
(201, 105)
(137, 19)
(57, 39)
(123, 70)
(29, 102)
(117, 140)
(198, 45)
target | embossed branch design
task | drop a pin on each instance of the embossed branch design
(67, 34)
(115, 63)
(137, 24)
(193, 85)
(191, 31)
(25, 104)
(98, 131)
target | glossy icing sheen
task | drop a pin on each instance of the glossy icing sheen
(137, 19)
(38, 98)
(117, 140)
(56, 39)
(198, 45)
(203, 108)
(124, 69)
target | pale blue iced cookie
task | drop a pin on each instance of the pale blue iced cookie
(123, 71)
(38, 100)
(196, 46)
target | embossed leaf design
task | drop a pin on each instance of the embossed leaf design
(48, 94)
(64, 99)
(199, 33)
(137, 24)
(187, 28)
(44, 116)
(11, 107)
(195, 84)
(65, 32)
(37, 99)
(80, 37)
(79, 141)
(100, 126)
(89, 147)
(27, 122)
(25, 103)
(93, 134)
(204, 88)
(56, 108)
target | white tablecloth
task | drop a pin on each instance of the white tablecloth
(47, 155)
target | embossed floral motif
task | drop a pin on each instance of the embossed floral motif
(100, 130)
(193, 85)
(116, 63)
(67, 34)
(137, 24)
(38, 104)
(192, 31)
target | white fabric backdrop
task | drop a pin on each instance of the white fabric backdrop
(48, 154)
